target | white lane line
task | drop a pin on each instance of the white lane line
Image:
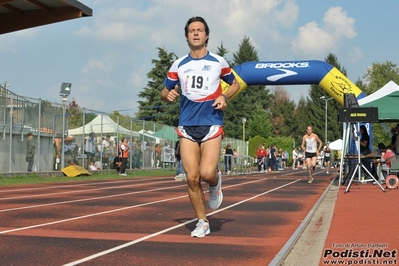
(88, 215)
(88, 199)
(95, 198)
(105, 252)
(85, 190)
(105, 212)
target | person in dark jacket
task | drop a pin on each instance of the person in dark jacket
(30, 151)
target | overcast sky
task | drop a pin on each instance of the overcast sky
(106, 57)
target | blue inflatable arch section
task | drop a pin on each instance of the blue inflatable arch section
(303, 72)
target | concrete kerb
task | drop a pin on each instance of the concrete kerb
(283, 253)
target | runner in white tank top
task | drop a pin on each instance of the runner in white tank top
(309, 145)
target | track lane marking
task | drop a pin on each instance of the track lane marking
(109, 211)
(95, 198)
(83, 190)
(88, 199)
(105, 252)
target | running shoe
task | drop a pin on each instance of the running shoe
(310, 180)
(215, 194)
(202, 229)
(123, 174)
(327, 172)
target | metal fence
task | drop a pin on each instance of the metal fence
(20, 115)
(236, 164)
(57, 145)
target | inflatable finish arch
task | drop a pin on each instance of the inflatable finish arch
(304, 72)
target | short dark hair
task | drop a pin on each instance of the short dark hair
(381, 146)
(199, 19)
(29, 134)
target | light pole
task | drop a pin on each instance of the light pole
(244, 119)
(64, 93)
(326, 100)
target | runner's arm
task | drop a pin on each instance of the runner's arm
(303, 144)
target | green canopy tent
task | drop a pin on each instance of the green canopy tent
(167, 133)
(386, 100)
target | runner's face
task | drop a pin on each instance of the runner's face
(196, 36)
(309, 130)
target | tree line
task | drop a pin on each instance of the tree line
(270, 113)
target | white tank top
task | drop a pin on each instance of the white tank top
(311, 144)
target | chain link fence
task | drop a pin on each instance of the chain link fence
(151, 144)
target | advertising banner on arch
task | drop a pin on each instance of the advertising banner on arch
(304, 72)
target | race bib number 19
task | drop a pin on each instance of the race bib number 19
(199, 85)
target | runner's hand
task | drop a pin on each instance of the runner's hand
(173, 94)
(220, 103)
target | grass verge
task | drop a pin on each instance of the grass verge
(37, 178)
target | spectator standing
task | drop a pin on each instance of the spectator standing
(136, 153)
(260, 157)
(90, 148)
(123, 155)
(228, 155)
(235, 154)
(280, 161)
(30, 151)
(394, 135)
(396, 145)
(71, 148)
(273, 157)
(157, 152)
(179, 164)
(105, 149)
(294, 158)
(266, 164)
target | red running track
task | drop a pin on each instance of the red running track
(147, 221)
(363, 227)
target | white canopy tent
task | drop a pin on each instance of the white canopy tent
(102, 124)
(336, 145)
